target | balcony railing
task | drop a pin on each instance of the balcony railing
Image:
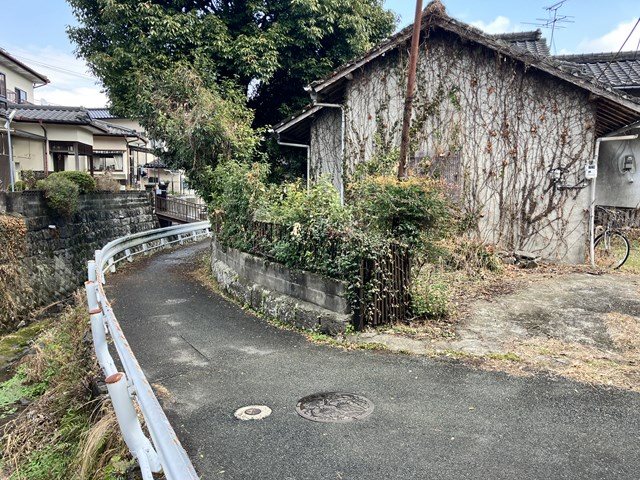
(12, 97)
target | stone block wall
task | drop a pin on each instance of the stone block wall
(299, 298)
(57, 249)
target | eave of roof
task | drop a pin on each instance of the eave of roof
(298, 117)
(116, 130)
(24, 69)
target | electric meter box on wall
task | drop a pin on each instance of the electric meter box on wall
(590, 171)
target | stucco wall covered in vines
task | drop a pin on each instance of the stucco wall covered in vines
(326, 146)
(508, 126)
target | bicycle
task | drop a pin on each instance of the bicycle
(611, 247)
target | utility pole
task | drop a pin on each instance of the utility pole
(411, 87)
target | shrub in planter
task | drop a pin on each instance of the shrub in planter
(61, 194)
(84, 181)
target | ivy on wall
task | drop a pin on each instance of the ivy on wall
(508, 125)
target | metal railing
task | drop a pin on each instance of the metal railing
(163, 452)
(180, 210)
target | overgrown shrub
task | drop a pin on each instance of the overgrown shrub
(61, 194)
(106, 183)
(20, 186)
(430, 297)
(14, 286)
(84, 181)
(234, 192)
(30, 179)
(463, 253)
(409, 210)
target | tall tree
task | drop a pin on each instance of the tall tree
(270, 48)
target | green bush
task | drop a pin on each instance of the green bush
(234, 191)
(20, 186)
(405, 209)
(430, 298)
(29, 178)
(85, 182)
(61, 194)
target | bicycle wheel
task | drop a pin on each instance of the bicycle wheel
(611, 250)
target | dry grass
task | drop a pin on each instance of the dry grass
(100, 444)
(64, 433)
(586, 364)
(624, 331)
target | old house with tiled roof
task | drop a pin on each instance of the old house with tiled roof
(508, 127)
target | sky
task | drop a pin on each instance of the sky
(598, 26)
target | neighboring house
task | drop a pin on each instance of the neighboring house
(510, 128)
(17, 83)
(146, 168)
(53, 138)
(621, 70)
(17, 80)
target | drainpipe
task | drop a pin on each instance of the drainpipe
(130, 163)
(342, 140)
(592, 206)
(46, 149)
(298, 145)
(12, 169)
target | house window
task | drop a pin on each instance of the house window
(3, 85)
(107, 161)
(21, 96)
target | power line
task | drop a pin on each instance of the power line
(56, 68)
(618, 52)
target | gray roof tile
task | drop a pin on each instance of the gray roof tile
(619, 70)
(532, 42)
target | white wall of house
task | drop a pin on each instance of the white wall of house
(15, 79)
(28, 154)
(507, 126)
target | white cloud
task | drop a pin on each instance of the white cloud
(500, 24)
(71, 83)
(612, 41)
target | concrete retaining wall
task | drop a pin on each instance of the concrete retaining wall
(299, 298)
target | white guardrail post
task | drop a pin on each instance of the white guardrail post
(163, 453)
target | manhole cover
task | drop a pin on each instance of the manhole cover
(252, 412)
(334, 407)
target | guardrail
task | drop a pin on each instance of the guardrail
(163, 452)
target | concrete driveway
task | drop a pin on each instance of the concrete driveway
(432, 419)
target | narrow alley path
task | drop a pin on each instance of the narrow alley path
(432, 419)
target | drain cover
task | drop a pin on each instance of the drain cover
(252, 412)
(334, 407)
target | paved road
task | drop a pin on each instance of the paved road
(432, 419)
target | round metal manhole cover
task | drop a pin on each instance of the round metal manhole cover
(252, 412)
(334, 407)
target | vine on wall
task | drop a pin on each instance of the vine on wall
(509, 126)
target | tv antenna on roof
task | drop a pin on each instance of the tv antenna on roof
(554, 20)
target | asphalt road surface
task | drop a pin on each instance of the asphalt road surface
(432, 419)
